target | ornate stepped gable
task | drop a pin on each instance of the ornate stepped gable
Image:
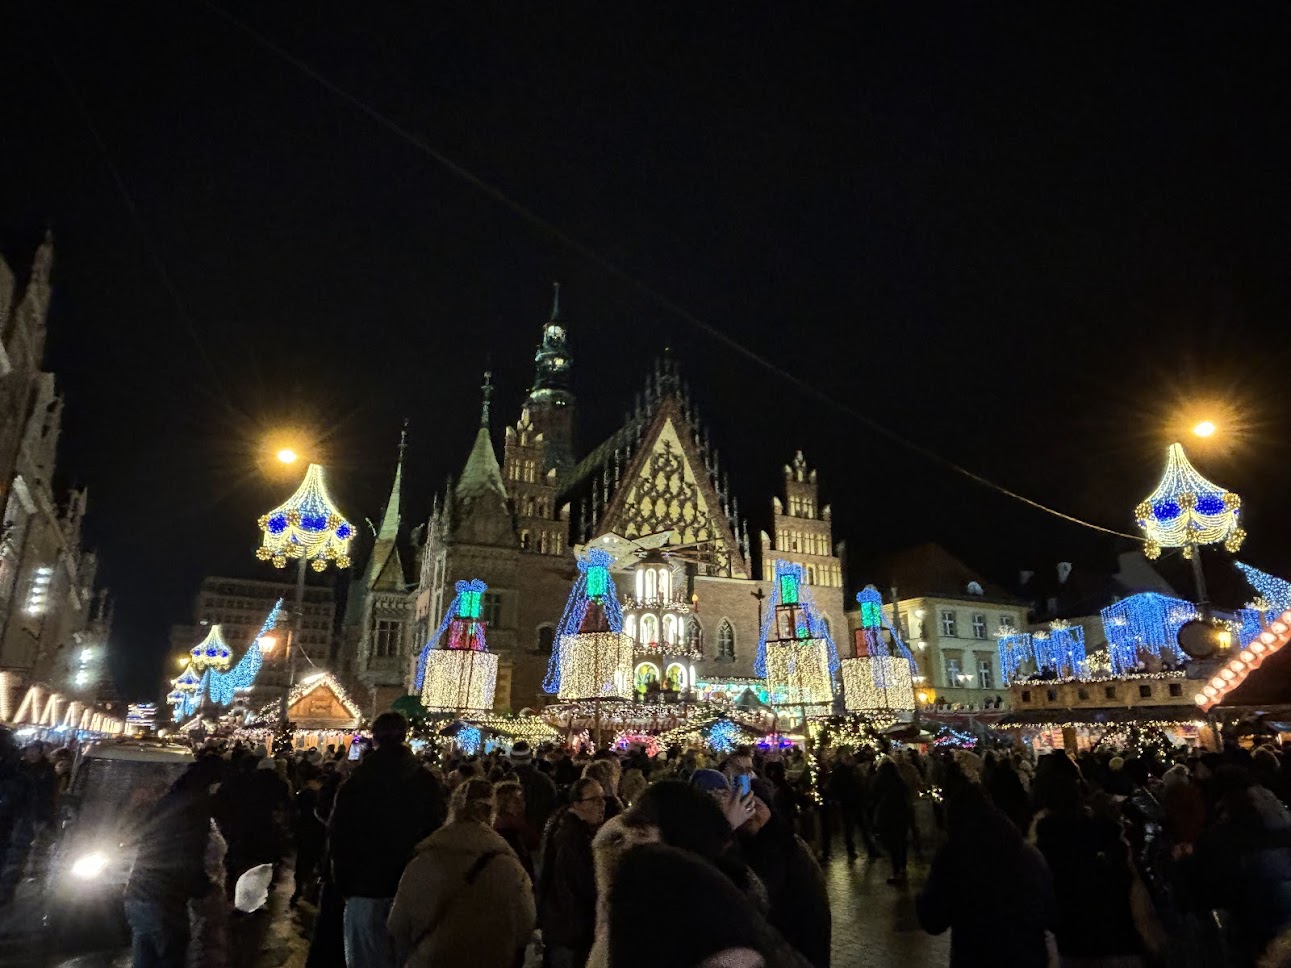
(658, 474)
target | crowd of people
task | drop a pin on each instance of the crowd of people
(565, 858)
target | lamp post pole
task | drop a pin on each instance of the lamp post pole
(294, 631)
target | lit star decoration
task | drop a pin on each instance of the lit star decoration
(1145, 623)
(1186, 510)
(874, 680)
(1234, 671)
(1275, 591)
(592, 658)
(462, 674)
(307, 525)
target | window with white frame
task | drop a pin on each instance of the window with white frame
(948, 625)
(985, 676)
(953, 671)
(979, 625)
(1006, 621)
(385, 638)
(649, 630)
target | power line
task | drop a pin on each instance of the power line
(498, 195)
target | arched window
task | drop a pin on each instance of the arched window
(649, 630)
(542, 542)
(670, 628)
(546, 638)
(651, 590)
(644, 674)
(665, 584)
(725, 640)
(630, 627)
(675, 677)
(694, 636)
(640, 584)
(524, 540)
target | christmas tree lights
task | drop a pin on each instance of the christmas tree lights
(1145, 623)
(592, 658)
(462, 674)
(1186, 510)
(307, 525)
(1275, 591)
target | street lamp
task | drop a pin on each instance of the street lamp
(309, 528)
(287, 456)
(1205, 429)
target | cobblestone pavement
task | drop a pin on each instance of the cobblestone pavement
(874, 923)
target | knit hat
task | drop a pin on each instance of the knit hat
(710, 781)
(521, 753)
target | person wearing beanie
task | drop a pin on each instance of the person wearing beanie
(712, 781)
(539, 790)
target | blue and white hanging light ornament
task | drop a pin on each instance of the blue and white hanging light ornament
(307, 525)
(212, 652)
(1186, 510)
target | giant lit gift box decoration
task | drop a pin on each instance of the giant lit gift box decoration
(592, 658)
(796, 654)
(461, 674)
(880, 677)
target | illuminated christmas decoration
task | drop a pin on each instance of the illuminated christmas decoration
(795, 652)
(222, 686)
(1147, 623)
(212, 652)
(310, 684)
(469, 739)
(1234, 671)
(1016, 654)
(1186, 510)
(1275, 591)
(592, 658)
(462, 674)
(1061, 650)
(307, 525)
(721, 734)
(874, 680)
(627, 738)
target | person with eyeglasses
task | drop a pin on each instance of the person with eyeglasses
(567, 888)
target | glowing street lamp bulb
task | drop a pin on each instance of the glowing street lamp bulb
(1204, 429)
(267, 643)
(287, 455)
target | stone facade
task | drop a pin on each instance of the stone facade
(656, 483)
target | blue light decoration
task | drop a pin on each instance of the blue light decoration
(1275, 591)
(594, 583)
(469, 740)
(221, 687)
(466, 605)
(1015, 648)
(1062, 648)
(873, 623)
(790, 588)
(1147, 622)
(307, 525)
(723, 736)
(1186, 510)
(212, 652)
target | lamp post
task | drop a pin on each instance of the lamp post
(309, 528)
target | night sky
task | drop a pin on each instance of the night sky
(1029, 241)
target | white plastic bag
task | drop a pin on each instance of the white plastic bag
(253, 889)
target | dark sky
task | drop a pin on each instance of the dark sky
(1022, 238)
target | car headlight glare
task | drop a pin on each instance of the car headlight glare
(90, 865)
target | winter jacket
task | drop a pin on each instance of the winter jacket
(539, 795)
(795, 887)
(567, 898)
(170, 866)
(383, 811)
(464, 902)
(983, 839)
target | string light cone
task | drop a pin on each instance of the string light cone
(307, 525)
(1186, 511)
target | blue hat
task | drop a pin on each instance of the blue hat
(710, 781)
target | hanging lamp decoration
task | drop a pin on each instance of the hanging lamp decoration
(212, 652)
(461, 674)
(1186, 510)
(309, 525)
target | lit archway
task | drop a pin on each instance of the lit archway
(644, 674)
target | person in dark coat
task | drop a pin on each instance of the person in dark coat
(567, 893)
(388, 805)
(1090, 863)
(793, 880)
(981, 839)
(17, 817)
(512, 824)
(893, 815)
(310, 834)
(251, 808)
(539, 790)
(170, 868)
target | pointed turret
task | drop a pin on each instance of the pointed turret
(390, 520)
(551, 403)
(480, 497)
(385, 569)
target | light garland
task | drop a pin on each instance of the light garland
(1061, 649)
(529, 728)
(307, 525)
(625, 739)
(873, 683)
(309, 685)
(1015, 649)
(595, 665)
(721, 734)
(1146, 622)
(1187, 510)
(790, 589)
(1275, 592)
(466, 604)
(1234, 671)
(798, 672)
(873, 622)
(459, 679)
(594, 584)
(222, 686)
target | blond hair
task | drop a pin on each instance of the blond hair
(472, 800)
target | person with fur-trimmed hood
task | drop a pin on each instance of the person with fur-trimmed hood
(464, 899)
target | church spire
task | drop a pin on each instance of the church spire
(552, 361)
(486, 389)
(390, 521)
